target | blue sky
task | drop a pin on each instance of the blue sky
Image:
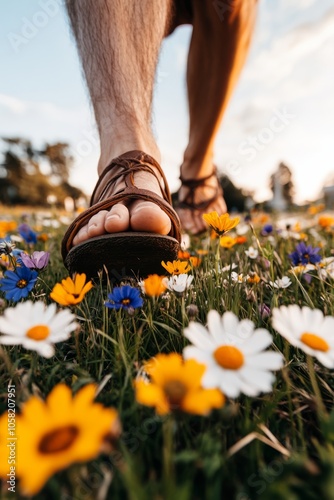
(282, 109)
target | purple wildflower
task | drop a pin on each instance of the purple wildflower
(305, 255)
(264, 311)
(37, 261)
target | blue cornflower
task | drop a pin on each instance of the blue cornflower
(27, 233)
(304, 255)
(17, 284)
(124, 297)
(267, 229)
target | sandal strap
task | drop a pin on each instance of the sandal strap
(127, 164)
(193, 184)
(130, 163)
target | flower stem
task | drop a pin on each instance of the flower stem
(321, 410)
(168, 458)
(217, 257)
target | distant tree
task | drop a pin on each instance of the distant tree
(284, 176)
(22, 181)
(60, 160)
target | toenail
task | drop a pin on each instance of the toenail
(113, 216)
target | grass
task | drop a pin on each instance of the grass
(278, 445)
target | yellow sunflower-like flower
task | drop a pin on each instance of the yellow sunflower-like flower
(326, 221)
(220, 223)
(69, 291)
(176, 385)
(53, 434)
(227, 242)
(176, 267)
(153, 285)
(7, 227)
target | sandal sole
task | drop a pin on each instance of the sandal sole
(122, 255)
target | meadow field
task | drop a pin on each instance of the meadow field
(213, 380)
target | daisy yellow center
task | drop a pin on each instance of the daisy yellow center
(58, 440)
(21, 283)
(38, 332)
(314, 341)
(125, 302)
(229, 357)
(175, 392)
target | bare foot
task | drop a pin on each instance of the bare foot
(191, 219)
(139, 215)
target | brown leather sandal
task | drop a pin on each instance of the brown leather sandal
(193, 184)
(130, 253)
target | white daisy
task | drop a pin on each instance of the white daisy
(36, 326)
(326, 268)
(303, 269)
(238, 278)
(233, 354)
(307, 329)
(283, 282)
(242, 229)
(252, 252)
(178, 283)
(185, 241)
(230, 267)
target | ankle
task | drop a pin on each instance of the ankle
(196, 168)
(111, 148)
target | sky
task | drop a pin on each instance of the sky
(282, 108)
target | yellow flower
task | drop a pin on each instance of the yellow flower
(253, 278)
(153, 285)
(240, 240)
(227, 242)
(69, 291)
(183, 254)
(176, 267)
(43, 237)
(53, 434)
(176, 385)
(7, 227)
(202, 251)
(315, 209)
(326, 221)
(220, 224)
(195, 261)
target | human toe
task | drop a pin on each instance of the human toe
(96, 224)
(82, 235)
(147, 216)
(117, 219)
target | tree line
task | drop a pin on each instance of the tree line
(32, 176)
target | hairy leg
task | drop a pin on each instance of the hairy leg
(218, 50)
(118, 43)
